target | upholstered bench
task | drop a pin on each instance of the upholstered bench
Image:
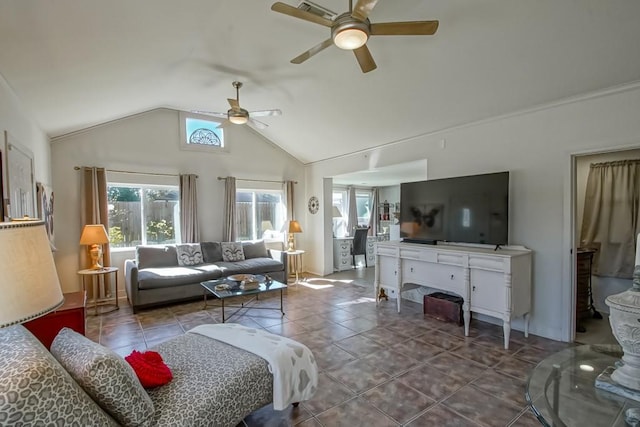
(87, 384)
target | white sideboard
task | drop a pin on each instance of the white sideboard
(492, 282)
(342, 259)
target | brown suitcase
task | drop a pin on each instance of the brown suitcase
(444, 307)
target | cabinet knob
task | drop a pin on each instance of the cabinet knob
(473, 288)
(452, 277)
(412, 269)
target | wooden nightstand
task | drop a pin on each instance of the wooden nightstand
(72, 314)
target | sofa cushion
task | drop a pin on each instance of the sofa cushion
(250, 266)
(232, 251)
(36, 390)
(156, 256)
(151, 278)
(105, 376)
(211, 251)
(254, 249)
(189, 254)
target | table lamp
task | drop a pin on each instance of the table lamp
(29, 289)
(94, 235)
(292, 227)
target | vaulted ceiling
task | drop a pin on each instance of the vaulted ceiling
(75, 64)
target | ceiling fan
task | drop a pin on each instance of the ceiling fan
(238, 115)
(352, 29)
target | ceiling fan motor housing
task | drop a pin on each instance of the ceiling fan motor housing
(349, 33)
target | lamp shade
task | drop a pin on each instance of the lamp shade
(266, 225)
(29, 285)
(94, 234)
(336, 212)
(294, 227)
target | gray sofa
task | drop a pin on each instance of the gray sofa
(157, 277)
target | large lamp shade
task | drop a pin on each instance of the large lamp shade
(29, 285)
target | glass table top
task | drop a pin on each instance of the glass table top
(234, 290)
(561, 389)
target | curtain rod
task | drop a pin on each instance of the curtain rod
(222, 178)
(137, 173)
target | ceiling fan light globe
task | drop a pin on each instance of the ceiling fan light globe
(238, 117)
(350, 38)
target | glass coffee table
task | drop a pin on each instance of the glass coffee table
(561, 390)
(214, 287)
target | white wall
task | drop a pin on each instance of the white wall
(18, 122)
(536, 147)
(149, 142)
(602, 287)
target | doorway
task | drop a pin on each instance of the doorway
(592, 320)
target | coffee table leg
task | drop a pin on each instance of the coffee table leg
(222, 310)
(281, 308)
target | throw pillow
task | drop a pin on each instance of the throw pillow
(150, 368)
(211, 252)
(105, 376)
(254, 249)
(189, 254)
(232, 251)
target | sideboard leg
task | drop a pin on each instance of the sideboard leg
(507, 332)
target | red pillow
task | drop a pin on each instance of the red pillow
(149, 367)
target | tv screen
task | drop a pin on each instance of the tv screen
(467, 209)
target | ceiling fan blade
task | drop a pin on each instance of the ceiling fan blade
(363, 8)
(234, 103)
(365, 59)
(257, 123)
(314, 50)
(298, 13)
(265, 113)
(410, 28)
(211, 113)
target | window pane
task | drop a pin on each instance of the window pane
(363, 204)
(244, 215)
(259, 215)
(204, 132)
(142, 215)
(125, 224)
(160, 213)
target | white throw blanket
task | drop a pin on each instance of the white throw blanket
(294, 369)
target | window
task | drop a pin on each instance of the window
(260, 214)
(199, 132)
(143, 215)
(363, 208)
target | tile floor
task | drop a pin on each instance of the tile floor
(377, 367)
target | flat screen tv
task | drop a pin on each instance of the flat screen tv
(466, 209)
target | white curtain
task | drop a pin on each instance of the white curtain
(352, 219)
(373, 220)
(189, 209)
(229, 225)
(610, 220)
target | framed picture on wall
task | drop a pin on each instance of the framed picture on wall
(44, 196)
(20, 196)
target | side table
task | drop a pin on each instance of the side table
(294, 260)
(101, 276)
(72, 314)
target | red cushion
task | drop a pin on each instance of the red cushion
(149, 367)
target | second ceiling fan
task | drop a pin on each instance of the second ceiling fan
(352, 29)
(238, 115)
